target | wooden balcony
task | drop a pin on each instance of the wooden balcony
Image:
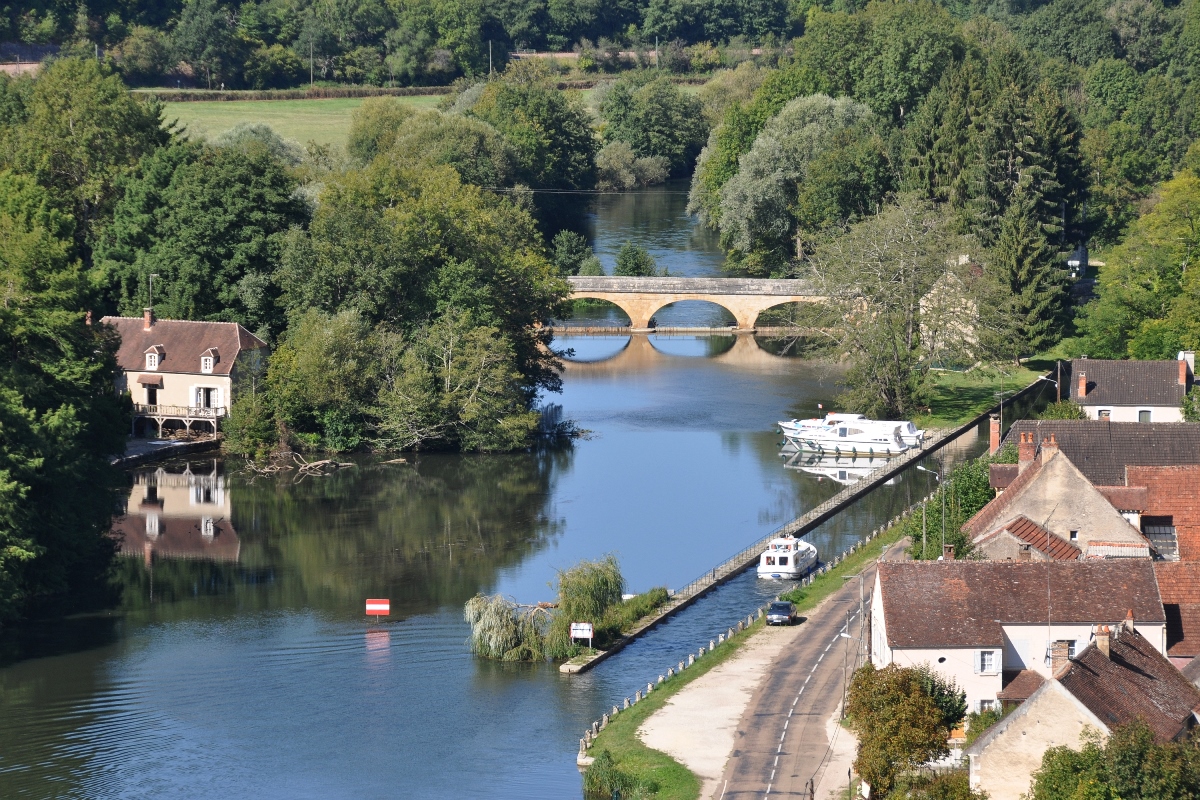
(178, 412)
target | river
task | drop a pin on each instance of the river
(239, 662)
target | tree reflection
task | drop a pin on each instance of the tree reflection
(425, 535)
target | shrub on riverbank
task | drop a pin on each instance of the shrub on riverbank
(590, 591)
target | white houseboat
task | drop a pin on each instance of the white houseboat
(847, 434)
(787, 558)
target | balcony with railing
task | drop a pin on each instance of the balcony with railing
(179, 412)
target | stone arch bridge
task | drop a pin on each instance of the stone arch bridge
(745, 298)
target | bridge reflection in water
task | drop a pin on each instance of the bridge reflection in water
(640, 354)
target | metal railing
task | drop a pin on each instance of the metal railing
(181, 412)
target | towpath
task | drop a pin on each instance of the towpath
(760, 725)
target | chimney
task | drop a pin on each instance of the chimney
(1059, 656)
(947, 552)
(1025, 452)
(1049, 448)
(1190, 357)
(1129, 620)
(147, 318)
(1183, 366)
(994, 434)
(1102, 640)
(1081, 387)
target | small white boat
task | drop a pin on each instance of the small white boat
(852, 434)
(787, 558)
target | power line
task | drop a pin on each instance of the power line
(523, 190)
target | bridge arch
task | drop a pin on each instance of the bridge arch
(641, 298)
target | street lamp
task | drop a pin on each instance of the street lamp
(937, 474)
(153, 275)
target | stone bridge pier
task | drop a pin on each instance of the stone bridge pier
(744, 298)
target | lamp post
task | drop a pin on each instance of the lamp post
(937, 474)
(153, 275)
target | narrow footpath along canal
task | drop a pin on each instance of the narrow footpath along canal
(239, 662)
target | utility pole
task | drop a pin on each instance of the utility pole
(310, 62)
(490, 70)
(657, 60)
(153, 275)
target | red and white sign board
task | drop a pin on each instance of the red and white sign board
(378, 608)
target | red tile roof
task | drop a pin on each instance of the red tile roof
(1134, 682)
(1126, 498)
(1179, 585)
(1038, 537)
(985, 520)
(1020, 686)
(1101, 449)
(965, 603)
(182, 342)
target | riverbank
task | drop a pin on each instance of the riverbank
(146, 451)
(715, 705)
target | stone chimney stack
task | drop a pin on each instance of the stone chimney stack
(1183, 366)
(147, 318)
(947, 552)
(1049, 447)
(1026, 450)
(1102, 640)
(1059, 656)
(1129, 620)
(1081, 386)
(994, 434)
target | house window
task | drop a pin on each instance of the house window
(1074, 536)
(206, 364)
(1143, 416)
(986, 662)
(1105, 413)
(151, 360)
(986, 705)
(151, 395)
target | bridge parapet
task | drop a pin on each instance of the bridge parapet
(719, 286)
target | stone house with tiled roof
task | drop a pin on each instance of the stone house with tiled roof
(980, 623)
(1102, 450)
(1132, 391)
(1179, 585)
(181, 373)
(1120, 677)
(1052, 496)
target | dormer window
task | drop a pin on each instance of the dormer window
(154, 356)
(208, 359)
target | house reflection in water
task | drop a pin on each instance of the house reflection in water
(178, 515)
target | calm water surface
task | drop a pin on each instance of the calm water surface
(240, 664)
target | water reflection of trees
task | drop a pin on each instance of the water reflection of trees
(425, 535)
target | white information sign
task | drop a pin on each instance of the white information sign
(581, 630)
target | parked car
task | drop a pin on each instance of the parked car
(781, 612)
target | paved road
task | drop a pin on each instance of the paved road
(781, 742)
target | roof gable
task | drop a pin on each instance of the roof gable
(1027, 708)
(1128, 383)
(181, 343)
(935, 604)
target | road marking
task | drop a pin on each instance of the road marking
(776, 764)
(772, 775)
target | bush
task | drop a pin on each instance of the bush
(794, 596)
(635, 262)
(250, 429)
(1064, 409)
(619, 169)
(585, 593)
(274, 67)
(604, 779)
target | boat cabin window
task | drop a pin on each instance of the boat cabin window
(770, 561)
(852, 431)
(841, 432)
(783, 561)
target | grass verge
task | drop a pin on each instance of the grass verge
(959, 397)
(645, 766)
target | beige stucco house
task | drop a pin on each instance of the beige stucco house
(1051, 510)
(180, 372)
(1132, 391)
(982, 623)
(1121, 676)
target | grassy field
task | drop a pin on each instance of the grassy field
(322, 121)
(675, 781)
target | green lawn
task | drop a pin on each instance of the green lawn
(959, 397)
(322, 121)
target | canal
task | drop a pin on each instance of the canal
(239, 662)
